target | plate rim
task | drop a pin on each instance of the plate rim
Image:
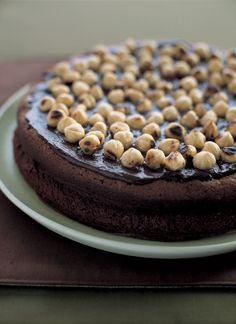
(112, 242)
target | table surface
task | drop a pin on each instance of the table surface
(36, 28)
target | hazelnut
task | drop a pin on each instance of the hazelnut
(89, 77)
(54, 116)
(134, 95)
(188, 151)
(80, 116)
(154, 158)
(155, 117)
(97, 133)
(132, 158)
(231, 114)
(100, 126)
(188, 83)
(107, 67)
(179, 93)
(228, 154)
(196, 95)
(190, 119)
(181, 69)
(164, 85)
(66, 99)
(152, 129)
(192, 59)
(200, 110)
(116, 96)
(232, 86)
(136, 121)
(167, 71)
(175, 130)
(128, 79)
(210, 116)
(215, 65)
(52, 82)
(46, 103)
(210, 130)
(80, 65)
(113, 149)
(170, 113)
(232, 127)
(174, 161)
(130, 43)
(115, 116)
(152, 78)
(88, 100)
(195, 138)
(169, 145)
(60, 106)
(227, 76)
(94, 118)
(220, 108)
(104, 109)
(71, 76)
(100, 49)
(141, 85)
(58, 89)
(200, 73)
(204, 160)
(89, 144)
(64, 122)
(79, 88)
(125, 137)
(61, 68)
(144, 143)
(164, 102)
(165, 60)
(74, 133)
(225, 139)
(202, 50)
(213, 148)
(215, 79)
(94, 62)
(97, 92)
(119, 126)
(183, 103)
(144, 106)
(109, 80)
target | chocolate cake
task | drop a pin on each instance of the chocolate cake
(136, 139)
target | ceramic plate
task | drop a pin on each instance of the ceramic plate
(20, 193)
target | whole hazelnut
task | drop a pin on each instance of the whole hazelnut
(169, 145)
(170, 113)
(80, 65)
(164, 102)
(52, 82)
(141, 85)
(144, 106)
(175, 130)
(88, 100)
(231, 114)
(195, 138)
(179, 93)
(190, 119)
(74, 133)
(54, 116)
(200, 73)
(154, 158)
(116, 96)
(89, 144)
(202, 50)
(97, 133)
(94, 118)
(66, 99)
(155, 117)
(80, 87)
(188, 83)
(80, 116)
(219, 96)
(210, 130)
(204, 160)
(104, 109)
(183, 103)
(232, 86)
(188, 151)
(174, 161)
(196, 95)
(228, 154)
(210, 116)
(181, 69)
(64, 122)
(167, 71)
(128, 79)
(90, 77)
(200, 110)
(221, 108)
(100, 126)
(94, 62)
(215, 79)
(132, 158)
(152, 129)
(61, 68)
(232, 63)
(109, 80)
(145, 142)
(71, 76)
(115, 116)
(134, 95)
(59, 89)
(125, 137)
(46, 103)
(225, 139)
(136, 121)
(97, 92)
(213, 148)
(232, 127)
(215, 65)
(119, 126)
(60, 106)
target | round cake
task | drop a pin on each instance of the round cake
(136, 139)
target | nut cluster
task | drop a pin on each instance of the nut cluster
(140, 103)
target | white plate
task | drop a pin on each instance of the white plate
(20, 193)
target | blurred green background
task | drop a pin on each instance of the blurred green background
(35, 28)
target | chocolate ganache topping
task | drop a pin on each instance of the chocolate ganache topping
(142, 111)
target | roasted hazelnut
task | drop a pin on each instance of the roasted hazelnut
(195, 138)
(215, 79)
(228, 75)
(225, 139)
(109, 80)
(46, 103)
(219, 96)
(61, 68)
(80, 87)
(71, 76)
(144, 106)
(232, 86)
(113, 150)
(116, 96)
(200, 110)
(132, 69)
(80, 116)
(190, 119)
(97, 133)
(220, 108)
(167, 71)
(188, 83)
(167, 50)
(210, 116)
(188, 151)
(155, 95)
(169, 145)
(52, 82)
(204, 160)
(232, 127)
(200, 73)
(151, 77)
(54, 116)
(74, 133)
(174, 161)
(58, 89)
(183, 103)
(155, 117)
(210, 130)
(202, 50)
(170, 113)
(94, 62)
(179, 93)
(88, 100)
(100, 126)
(115, 116)
(181, 69)
(100, 50)
(119, 126)
(136, 121)
(107, 67)
(175, 130)
(213, 148)
(231, 114)
(141, 85)
(192, 59)
(89, 77)
(94, 118)
(104, 109)
(134, 95)
(128, 79)
(89, 144)
(125, 137)
(80, 65)
(97, 92)
(64, 122)
(164, 85)
(132, 158)
(66, 99)
(228, 154)
(196, 95)
(144, 142)
(154, 158)
(152, 129)
(164, 102)
(130, 43)
(215, 65)
(60, 106)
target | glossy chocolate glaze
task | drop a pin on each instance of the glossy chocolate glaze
(97, 162)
